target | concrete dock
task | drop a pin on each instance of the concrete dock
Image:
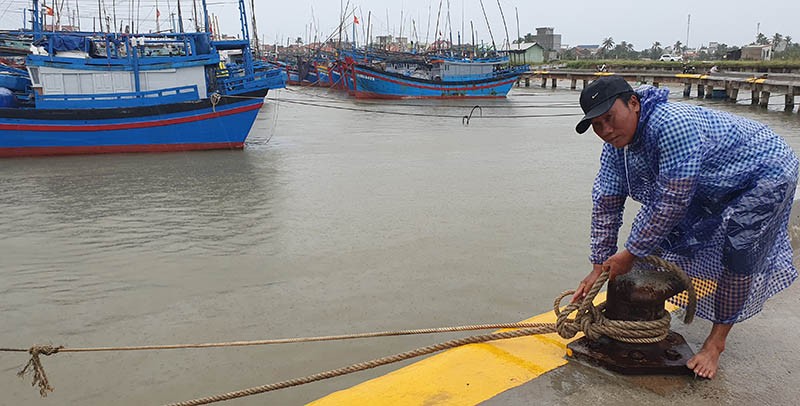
(761, 365)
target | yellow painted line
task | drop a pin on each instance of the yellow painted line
(464, 375)
(604, 73)
(473, 373)
(691, 76)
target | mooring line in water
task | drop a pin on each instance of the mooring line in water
(398, 113)
(589, 319)
(465, 120)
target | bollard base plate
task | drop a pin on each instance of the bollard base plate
(667, 357)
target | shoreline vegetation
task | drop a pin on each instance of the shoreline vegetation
(779, 66)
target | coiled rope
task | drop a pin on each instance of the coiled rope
(588, 319)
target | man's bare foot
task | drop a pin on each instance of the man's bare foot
(706, 362)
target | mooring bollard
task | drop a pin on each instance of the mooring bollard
(639, 295)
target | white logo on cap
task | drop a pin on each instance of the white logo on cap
(595, 95)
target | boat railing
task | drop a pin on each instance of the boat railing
(117, 100)
(270, 78)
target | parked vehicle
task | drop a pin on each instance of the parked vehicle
(670, 58)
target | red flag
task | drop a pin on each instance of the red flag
(355, 20)
(48, 10)
(158, 13)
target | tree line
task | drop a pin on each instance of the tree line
(783, 48)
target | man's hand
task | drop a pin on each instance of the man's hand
(619, 264)
(587, 283)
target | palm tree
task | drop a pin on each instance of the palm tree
(762, 39)
(677, 49)
(655, 50)
(607, 45)
(776, 39)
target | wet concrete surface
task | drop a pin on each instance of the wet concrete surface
(760, 365)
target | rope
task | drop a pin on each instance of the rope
(39, 376)
(588, 319)
(215, 98)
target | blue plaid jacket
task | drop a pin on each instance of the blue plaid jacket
(685, 164)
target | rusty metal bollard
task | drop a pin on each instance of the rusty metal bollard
(639, 295)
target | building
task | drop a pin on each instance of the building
(548, 40)
(757, 52)
(586, 51)
(526, 53)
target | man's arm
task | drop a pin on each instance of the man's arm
(608, 203)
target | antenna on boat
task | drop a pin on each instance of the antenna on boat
(518, 34)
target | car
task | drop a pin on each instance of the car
(670, 58)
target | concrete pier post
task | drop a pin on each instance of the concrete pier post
(527, 82)
(701, 90)
(733, 95)
(709, 91)
(687, 89)
(553, 82)
(754, 96)
(544, 82)
(573, 84)
(585, 83)
(789, 102)
(764, 102)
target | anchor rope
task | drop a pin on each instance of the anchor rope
(588, 319)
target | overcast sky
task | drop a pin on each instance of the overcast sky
(639, 22)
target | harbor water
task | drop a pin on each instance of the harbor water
(339, 216)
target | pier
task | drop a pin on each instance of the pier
(724, 85)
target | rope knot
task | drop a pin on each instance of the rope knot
(35, 364)
(44, 349)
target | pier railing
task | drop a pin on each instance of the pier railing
(761, 86)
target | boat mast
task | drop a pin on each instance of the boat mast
(488, 26)
(206, 22)
(255, 30)
(246, 52)
(37, 23)
(180, 18)
(194, 13)
(504, 23)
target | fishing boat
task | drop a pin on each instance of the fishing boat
(439, 78)
(115, 92)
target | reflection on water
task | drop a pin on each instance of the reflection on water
(330, 221)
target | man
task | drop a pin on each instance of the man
(716, 191)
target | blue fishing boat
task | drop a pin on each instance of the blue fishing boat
(114, 92)
(438, 78)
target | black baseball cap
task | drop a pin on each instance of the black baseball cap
(598, 97)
